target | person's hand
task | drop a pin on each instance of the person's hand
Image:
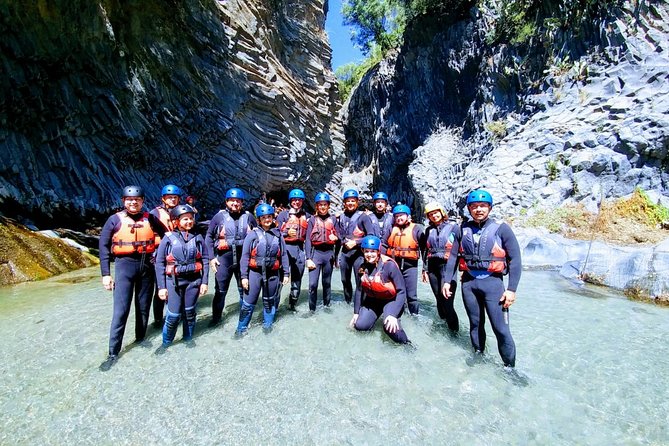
(508, 298)
(292, 232)
(286, 280)
(446, 290)
(354, 319)
(213, 265)
(203, 289)
(162, 294)
(392, 324)
(108, 283)
(350, 244)
(310, 264)
(425, 277)
(245, 284)
(333, 237)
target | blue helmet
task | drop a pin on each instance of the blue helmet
(351, 193)
(170, 189)
(401, 209)
(371, 242)
(380, 196)
(322, 196)
(479, 196)
(264, 209)
(133, 191)
(234, 193)
(296, 193)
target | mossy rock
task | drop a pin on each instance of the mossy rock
(26, 255)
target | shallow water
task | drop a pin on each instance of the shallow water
(596, 365)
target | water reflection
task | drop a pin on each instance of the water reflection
(596, 367)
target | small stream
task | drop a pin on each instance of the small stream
(596, 365)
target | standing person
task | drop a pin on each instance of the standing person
(403, 243)
(488, 250)
(129, 236)
(263, 259)
(439, 237)
(293, 225)
(224, 240)
(352, 226)
(380, 215)
(170, 197)
(182, 272)
(320, 249)
(382, 292)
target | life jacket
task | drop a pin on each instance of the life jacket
(232, 232)
(384, 222)
(352, 234)
(133, 237)
(164, 216)
(487, 254)
(299, 223)
(264, 253)
(401, 243)
(322, 230)
(183, 257)
(440, 240)
(373, 286)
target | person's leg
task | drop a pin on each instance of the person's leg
(474, 305)
(494, 288)
(223, 276)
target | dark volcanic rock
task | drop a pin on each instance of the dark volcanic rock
(204, 94)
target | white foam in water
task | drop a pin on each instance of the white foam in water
(596, 365)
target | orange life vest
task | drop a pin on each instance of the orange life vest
(183, 257)
(322, 230)
(133, 237)
(401, 243)
(164, 216)
(373, 286)
(263, 253)
(486, 254)
(297, 223)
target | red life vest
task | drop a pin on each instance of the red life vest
(133, 237)
(487, 254)
(440, 240)
(183, 257)
(264, 253)
(349, 227)
(299, 223)
(322, 230)
(401, 243)
(373, 286)
(232, 232)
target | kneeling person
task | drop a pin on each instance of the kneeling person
(382, 292)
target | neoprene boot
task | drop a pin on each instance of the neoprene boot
(245, 313)
(189, 327)
(269, 312)
(170, 327)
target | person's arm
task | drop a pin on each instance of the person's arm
(419, 235)
(156, 225)
(308, 247)
(161, 280)
(285, 261)
(280, 220)
(393, 273)
(514, 264)
(211, 237)
(205, 260)
(449, 269)
(368, 226)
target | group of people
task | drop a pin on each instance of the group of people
(157, 254)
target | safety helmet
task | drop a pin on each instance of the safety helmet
(296, 193)
(170, 189)
(380, 196)
(371, 242)
(264, 209)
(401, 209)
(181, 209)
(479, 196)
(434, 206)
(234, 193)
(322, 196)
(133, 191)
(351, 193)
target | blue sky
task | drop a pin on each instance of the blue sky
(343, 50)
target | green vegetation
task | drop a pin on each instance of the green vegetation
(497, 129)
(552, 169)
(349, 75)
(378, 23)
